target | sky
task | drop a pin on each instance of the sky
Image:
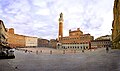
(39, 18)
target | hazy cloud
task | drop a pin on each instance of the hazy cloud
(40, 17)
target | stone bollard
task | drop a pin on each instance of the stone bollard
(83, 51)
(74, 51)
(29, 51)
(90, 49)
(63, 51)
(37, 52)
(41, 51)
(50, 51)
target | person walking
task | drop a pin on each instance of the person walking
(107, 49)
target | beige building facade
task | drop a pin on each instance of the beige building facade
(101, 43)
(3, 35)
(106, 37)
(31, 41)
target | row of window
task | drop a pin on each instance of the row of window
(100, 46)
(100, 42)
(77, 43)
(75, 47)
(81, 38)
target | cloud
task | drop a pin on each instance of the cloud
(43, 12)
(40, 17)
(40, 3)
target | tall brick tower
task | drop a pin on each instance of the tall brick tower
(60, 26)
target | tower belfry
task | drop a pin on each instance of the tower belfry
(60, 26)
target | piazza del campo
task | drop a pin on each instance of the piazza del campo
(78, 51)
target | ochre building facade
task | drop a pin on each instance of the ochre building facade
(20, 41)
(116, 25)
(76, 40)
(43, 42)
(53, 43)
(15, 40)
